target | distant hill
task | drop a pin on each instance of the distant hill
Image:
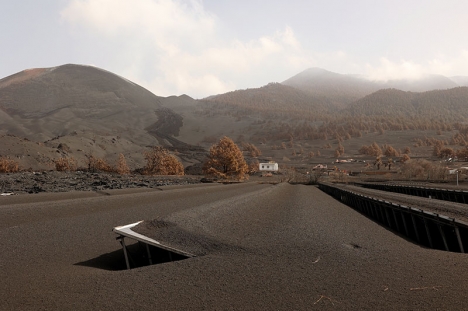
(338, 88)
(273, 99)
(345, 89)
(88, 110)
(58, 101)
(451, 104)
(384, 103)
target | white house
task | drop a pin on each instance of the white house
(268, 167)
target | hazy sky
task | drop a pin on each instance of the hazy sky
(202, 48)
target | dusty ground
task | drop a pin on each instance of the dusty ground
(285, 247)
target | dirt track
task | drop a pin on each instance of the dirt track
(286, 248)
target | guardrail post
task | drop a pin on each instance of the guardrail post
(396, 220)
(370, 209)
(382, 215)
(415, 228)
(404, 224)
(441, 230)
(388, 217)
(460, 242)
(428, 233)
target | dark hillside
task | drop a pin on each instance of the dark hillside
(273, 99)
(449, 105)
(388, 102)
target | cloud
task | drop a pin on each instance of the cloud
(411, 70)
(388, 70)
(173, 47)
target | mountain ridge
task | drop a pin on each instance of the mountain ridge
(344, 89)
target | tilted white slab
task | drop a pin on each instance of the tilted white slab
(127, 231)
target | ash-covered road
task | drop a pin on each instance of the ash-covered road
(284, 247)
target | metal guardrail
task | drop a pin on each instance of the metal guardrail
(426, 228)
(458, 196)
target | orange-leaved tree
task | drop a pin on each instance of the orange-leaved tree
(160, 162)
(8, 166)
(122, 167)
(226, 160)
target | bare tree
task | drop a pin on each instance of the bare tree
(315, 176)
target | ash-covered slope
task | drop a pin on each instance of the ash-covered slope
(44, 103)
(42, 92)
(90, 110)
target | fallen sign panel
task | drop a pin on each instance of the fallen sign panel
(127, 232)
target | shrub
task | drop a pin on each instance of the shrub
(391, 152)
(122, 167)
(404, 158)
(423, 169)
(97, 164)
(160, 162)
(254, 166)
(446, 153)
(339, 150)
(8, 165)
(252, 149)
(315, 176)
(372, 150)
(65, 164)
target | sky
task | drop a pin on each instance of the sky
(207, 47)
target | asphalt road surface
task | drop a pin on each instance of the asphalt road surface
(284, 247)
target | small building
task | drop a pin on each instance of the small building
(268, 167)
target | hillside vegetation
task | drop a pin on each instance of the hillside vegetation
(443, 105)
